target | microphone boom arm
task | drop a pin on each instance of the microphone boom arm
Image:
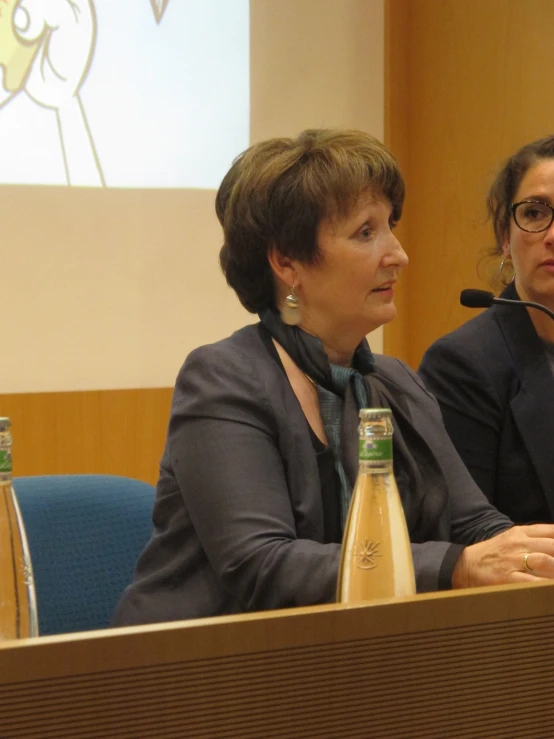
(473, 298)
(527, 303)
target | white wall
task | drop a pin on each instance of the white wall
(120, 285)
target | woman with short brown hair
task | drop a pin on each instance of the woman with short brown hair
(262, 446)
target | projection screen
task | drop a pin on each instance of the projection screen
(118, 119)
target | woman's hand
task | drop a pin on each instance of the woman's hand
(521, 554)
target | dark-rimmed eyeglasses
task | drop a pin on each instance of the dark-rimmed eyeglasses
(532, 216)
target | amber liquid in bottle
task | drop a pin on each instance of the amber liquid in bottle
(18, 614)
(376, 557)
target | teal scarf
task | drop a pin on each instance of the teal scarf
(331, 406)
(418, 474)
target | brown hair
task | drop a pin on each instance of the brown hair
(503, 189)
(277, 192)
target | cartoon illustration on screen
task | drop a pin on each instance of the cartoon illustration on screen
(159, 6)
(102, 93)
(46, 47)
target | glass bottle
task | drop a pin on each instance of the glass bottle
(376, 557)
(18, 613)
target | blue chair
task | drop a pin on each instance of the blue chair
(85, 534)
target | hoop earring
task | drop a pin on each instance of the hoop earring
(503, 279)
(291, 312)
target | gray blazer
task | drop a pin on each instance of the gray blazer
(238, 518)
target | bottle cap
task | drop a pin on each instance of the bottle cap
(366, 414)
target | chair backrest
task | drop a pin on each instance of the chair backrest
(85, 534)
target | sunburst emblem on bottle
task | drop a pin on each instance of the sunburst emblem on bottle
(365, 554)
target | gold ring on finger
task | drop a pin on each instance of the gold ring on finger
(526, 567)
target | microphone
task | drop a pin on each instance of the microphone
(484, 299)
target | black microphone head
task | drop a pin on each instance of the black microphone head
(476, 298)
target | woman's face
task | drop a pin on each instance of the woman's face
(533, 253)
(350, 292)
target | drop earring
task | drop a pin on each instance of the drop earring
(291, 312)
(507, 263)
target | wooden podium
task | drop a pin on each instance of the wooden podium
(476, 664)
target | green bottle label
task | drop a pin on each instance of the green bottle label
(5, 460)
(375, 450)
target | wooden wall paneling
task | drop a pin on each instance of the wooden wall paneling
(396, 339)
(477, 90)
(118, 432)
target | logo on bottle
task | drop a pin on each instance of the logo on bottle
(366, 553)
(375, 450)
(5, 461)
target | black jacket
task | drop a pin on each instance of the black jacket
(496, 391)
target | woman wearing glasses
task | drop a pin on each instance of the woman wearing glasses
(494, 376)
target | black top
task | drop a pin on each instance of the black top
(496, 391)
(549, 349)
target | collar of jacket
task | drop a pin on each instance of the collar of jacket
(533, 405)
